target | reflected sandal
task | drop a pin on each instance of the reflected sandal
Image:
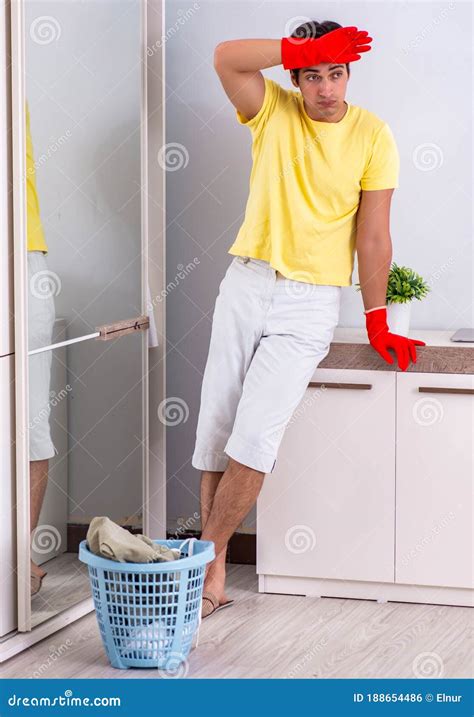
(35, 583)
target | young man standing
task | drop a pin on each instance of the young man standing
(321, 184)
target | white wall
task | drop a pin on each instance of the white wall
(416, 77)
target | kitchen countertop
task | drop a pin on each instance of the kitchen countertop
(350, 349)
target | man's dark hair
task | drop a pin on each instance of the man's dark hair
(315, 29)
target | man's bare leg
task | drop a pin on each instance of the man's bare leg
(209, 482)
(236, 492)
(38, 483)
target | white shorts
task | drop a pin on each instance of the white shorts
(269, 334)
(41, 317)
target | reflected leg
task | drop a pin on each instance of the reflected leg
(38, 483)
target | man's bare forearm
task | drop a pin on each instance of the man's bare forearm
(248, 55)
(374, 258)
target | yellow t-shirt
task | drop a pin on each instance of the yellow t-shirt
(35, 240)
(305, 185)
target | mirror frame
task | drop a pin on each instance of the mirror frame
(22, 508)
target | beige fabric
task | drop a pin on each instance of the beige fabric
(109, 540)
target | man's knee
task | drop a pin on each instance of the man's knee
(241, 468)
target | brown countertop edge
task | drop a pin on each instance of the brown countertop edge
(429, 359)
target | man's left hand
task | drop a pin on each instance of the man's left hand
(381, 339)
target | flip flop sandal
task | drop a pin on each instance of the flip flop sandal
(35, 583)
(212, 604)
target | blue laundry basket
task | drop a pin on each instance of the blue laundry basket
(149, 613)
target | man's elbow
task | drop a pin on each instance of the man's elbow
(220, 52)
(369, 243)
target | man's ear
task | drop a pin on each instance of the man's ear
(293, 77)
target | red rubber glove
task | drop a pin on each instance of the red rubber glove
(381, 339)
(340, 45)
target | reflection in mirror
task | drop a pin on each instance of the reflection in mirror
(83, 180)
(84, 256)
(86, 457)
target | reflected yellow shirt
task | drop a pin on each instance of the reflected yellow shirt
(305, 185)
(35, 240)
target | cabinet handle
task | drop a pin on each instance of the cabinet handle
(355, 386)
(120, 328)
(441, 389)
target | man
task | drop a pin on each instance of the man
(41, 317)
(322, 179)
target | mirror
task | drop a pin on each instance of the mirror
(83, 112)
(86, 458)
(83, 169)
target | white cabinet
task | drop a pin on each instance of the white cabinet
(434, 456)
(327, 508)
(7, 496)
(371, 495)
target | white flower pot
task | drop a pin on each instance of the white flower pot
(398, 318)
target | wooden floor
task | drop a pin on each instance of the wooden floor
(66, 583)
(280, 636)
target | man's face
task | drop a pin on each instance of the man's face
(323, 88)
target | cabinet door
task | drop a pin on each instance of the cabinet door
(7, 496)
(327, 510)
(434, 479)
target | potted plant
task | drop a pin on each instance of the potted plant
(403, 286)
